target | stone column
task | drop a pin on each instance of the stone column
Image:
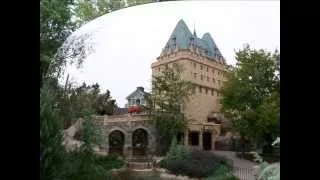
(128, 145)
(186, 138)
(200, 140)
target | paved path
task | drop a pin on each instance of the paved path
(242, 167)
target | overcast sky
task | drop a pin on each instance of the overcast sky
(129, 40)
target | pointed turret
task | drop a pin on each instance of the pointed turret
(182, 38)
(179, 37)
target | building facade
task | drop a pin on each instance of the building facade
(137, 98)
(202, 64)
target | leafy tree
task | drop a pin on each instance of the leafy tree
(56, 48)
(75, 100)
(55, 27)
(251, 95)
(169, 94)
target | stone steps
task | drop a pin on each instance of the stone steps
(139, 163)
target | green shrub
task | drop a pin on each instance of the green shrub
(130, 175)
(222, 173)
(177, 151)
(87, 166)
(198, 164)
(247, 155)
(268, 171)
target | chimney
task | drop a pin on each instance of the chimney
(140, 88)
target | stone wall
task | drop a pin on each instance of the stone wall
(127, 124)
(205, 73)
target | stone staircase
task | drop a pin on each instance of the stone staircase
(140, 163)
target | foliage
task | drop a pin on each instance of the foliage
(197, 164)
(251, 96)
(85, 166)
(52, 153)
(75, 101)
(55, 27)
(169, 95)
(128, 174)
(177, 151)
(268, 171)
(222, 173)
(55, 106)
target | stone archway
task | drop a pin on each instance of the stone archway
(116, 142)
(140, 142)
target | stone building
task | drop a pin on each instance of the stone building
(204, 66)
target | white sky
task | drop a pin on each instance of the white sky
(129, 40)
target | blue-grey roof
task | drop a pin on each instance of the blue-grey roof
(183, 38)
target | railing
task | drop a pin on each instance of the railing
(244, 173)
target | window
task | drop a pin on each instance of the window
(159, 69)
(207, 69)
(208, 78)
(138, 102)
(200, 89)
(213, 80)
(201, 77)
(194, 65)
(206, 90)
(201, 67)
(195, 75)
(212, 71)
(212, 92)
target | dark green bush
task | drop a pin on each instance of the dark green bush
(200, 164)
(247, 155)
(87, 166)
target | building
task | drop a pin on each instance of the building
(137, 98)
(204, 66)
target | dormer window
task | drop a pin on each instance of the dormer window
(138, 102)
(191, 41)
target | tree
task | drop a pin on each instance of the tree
(73, 101)
(169, 94)
(251, 96)
(56, 47)
(55, 27)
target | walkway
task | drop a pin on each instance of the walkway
(242, 168)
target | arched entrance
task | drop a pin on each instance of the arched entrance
(116, 143)
(139, 142)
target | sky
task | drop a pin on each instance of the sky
(127, 41)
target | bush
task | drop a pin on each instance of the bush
(222, 173)
(130, 175)
(198, 164)
(177, 151)
(86, 166)
(109, 162)
(247, 155)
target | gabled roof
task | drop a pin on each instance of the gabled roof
(139, 89)
(182, 38)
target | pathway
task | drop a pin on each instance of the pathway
(242, 167)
